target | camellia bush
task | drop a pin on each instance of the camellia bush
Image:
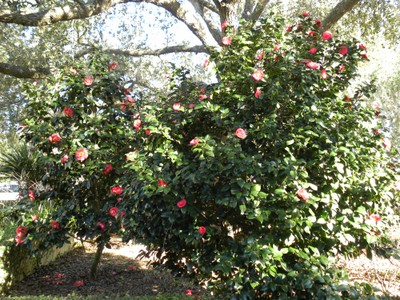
(256, 183)
(82, 122)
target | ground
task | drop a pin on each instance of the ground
(119, 273)
(122, 273)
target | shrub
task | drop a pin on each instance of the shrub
(255, 183)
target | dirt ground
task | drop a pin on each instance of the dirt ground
(120, 272)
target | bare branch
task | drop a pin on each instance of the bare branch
(23, 72)
(149, 52)
(58, 14)
(258, 9)
(209, 5)
(338, 11)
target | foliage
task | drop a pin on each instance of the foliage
(254, 184)
(80, 122)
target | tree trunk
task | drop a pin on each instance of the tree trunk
(93, 269)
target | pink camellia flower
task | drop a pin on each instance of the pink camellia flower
(319, 23)
(81, 154)
(288, 29)
(137, 124)
(241, 133)
(362, 47)
(54, 138)
(67, 111)
(31, 195)
(181, 203)
(21, 231)
(312, 65)
(202, 230)
(312, 50)
(376, 106)
(387, 144)
(107, 169)
(258, 75)
(324, 75)
(130, 99)
(188, 292)
(202, 97)
(374, 218)
(55, 225)
(194, 142)
(311, 33)
(226, 40)
(64, 159)
(303, 194)
(79, 283)
(258, 92)
(35, 218)
(161, 183)
(341, 68)
(114, 211)
(73, 71)
(343, 50)
(206, 63)
(102, 225)
(192, 105)
(123, 213)
(88, 81)
(224, 25)
(176, 106)
(112, 66)
(327, 35)
(116, 190)
(147, 132)
(305, 14)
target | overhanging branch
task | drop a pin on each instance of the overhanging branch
(23, 72)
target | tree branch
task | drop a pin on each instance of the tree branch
(23, 72)
(337, 12)
(58, 14)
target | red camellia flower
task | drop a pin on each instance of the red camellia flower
(288, 29)
(194, 142)
(81, 154)
(375, 218)
(224, 25)
(31, 195)
(364, 56)
(107, 169)
(73, 71)
(343, 50)
(341, 68)
(202, 97)
(192, 105)
(79, 283)
(311, 33)
(19, 240)
(136, 124)
(64, 159)
(54, 138)
(327, 35)
(324, 75)
(130, 99)
(176, 106)
(114, 211)
(161, 183)
(21, 231)
(257, 93)
(55, 225)
(305, 14)
(319, 23)
(181, 203)
(116, 190)
(362, 47)
(147, 132)
(35, 218)
(241, 133)
(102, 225)
(312, 50)
(226, 40)
(312, 65)
(206, 63)
(112, 66)
(303, 194)
(258, 75)
(188, 292)
(202, 230)
(68, 112)
(88, 81)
